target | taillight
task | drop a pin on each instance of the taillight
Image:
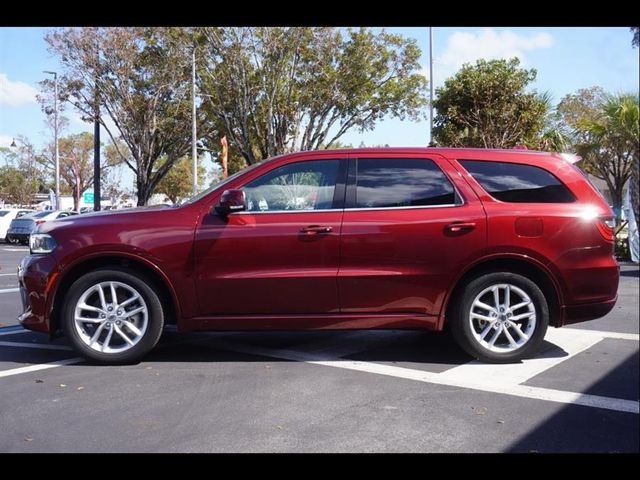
(606, 227)
(38, 222)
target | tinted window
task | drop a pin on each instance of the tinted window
(41, 214)
(401, 183)
(306, 185)
(511, 182)
(3, 212)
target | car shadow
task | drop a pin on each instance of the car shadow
(435, 351)
(576, 429)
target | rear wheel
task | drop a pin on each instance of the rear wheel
(113, 316)
(500, 317)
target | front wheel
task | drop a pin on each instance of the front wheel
(500, 317)
(113, 316)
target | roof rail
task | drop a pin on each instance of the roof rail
(570, 157)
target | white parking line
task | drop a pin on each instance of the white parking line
(15, 249)
(9, 290)
(8, 274)
(43, 346)
(604, 334)
(43, 366)
(501, 378)
(516, 373)
(510, 385)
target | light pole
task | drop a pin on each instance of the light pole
(431, 86)
(194, 149)
(55, 134)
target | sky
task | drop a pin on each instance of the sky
(566, 60)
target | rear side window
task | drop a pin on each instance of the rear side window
(512, 182)
(401, 183)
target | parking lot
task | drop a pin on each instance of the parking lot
(369, 391)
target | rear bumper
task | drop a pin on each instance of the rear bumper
(589, 311)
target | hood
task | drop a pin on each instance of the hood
(106, 216)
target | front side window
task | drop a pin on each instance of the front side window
(517, 183)
(297, 186)
(389, 183)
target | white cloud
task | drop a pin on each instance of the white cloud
(16, 93)
(5, 140)
(467, 47)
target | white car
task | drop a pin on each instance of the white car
(8, 214)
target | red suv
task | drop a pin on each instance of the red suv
(494, 244)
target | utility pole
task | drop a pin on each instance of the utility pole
(96, 140)
(55, 134)
(194, 149)
(431, 87)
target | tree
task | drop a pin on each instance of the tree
(636, 36)
(20, 177)
(76, 163)
(275, 90)
(139, 79)
(576, 108)
(608, 141)
(178, 182)
(487, 105)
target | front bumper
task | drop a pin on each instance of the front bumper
(18, 237)
(36, 274)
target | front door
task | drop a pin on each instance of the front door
(406, 232)
(281, 255)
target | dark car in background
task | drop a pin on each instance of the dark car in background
(22, 227)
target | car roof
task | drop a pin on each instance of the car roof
(496, 154)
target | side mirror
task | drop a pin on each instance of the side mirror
(231, 201)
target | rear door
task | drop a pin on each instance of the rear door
(410, 225)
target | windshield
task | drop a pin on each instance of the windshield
(40, 214)
(3, 212)
(207, 191)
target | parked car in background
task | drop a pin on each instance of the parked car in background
(21, 227)
(9, 214)
(494, 244)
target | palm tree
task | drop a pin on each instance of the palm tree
(554, 136)
(610, 148)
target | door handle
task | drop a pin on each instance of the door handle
(316, 229)
(460, 226)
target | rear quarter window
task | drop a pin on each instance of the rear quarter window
(517, 183)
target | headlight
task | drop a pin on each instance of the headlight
(41, 243)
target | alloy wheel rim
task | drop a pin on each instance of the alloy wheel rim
(502, 318)
(111, 317)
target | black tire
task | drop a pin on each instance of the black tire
(460, 317)
(133, 279)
